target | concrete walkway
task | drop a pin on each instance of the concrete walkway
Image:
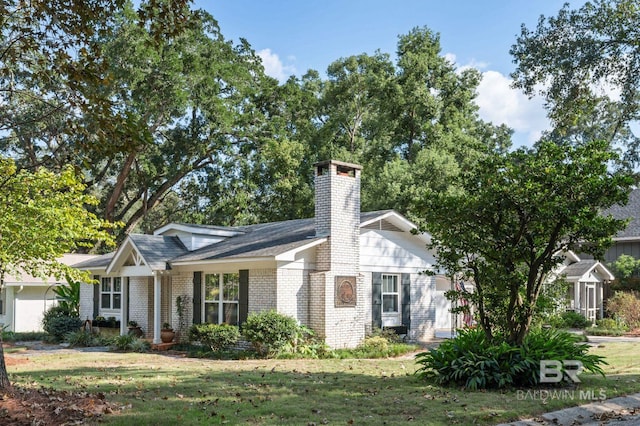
(620, 411)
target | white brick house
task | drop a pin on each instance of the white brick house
(340, 274)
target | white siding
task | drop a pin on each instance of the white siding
(393, 251)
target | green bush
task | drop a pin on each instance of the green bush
(625, 306)
(217, 336)
(123, 342)
(83, 338)
(607, 327)
(58, 323)
(139, 345)
(269, 332)
(470, 360)
(570, 319)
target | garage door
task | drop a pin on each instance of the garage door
(29, 306)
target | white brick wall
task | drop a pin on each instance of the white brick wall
(293, 293)
(86, 301)
(262, 290)
(139, 303)
(423, 309)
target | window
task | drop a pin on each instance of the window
(110, 292)
(390, 294)
(221, 298)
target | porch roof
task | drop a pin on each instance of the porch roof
(576, 271)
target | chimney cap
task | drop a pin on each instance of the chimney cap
(337, 163)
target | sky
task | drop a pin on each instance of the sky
(293, 36)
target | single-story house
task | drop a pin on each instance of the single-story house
(340, 273)
(24, 299)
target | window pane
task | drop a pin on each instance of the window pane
(105, 301)
(116, 284)
(211, 313)
(231, 287)
(212, 287)
(116, 301)
(389, 283)
(231, 313)
(106, 284)
(389, 303)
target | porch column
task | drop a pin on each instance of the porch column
(124, 302)
(599, 302)
(157, 286)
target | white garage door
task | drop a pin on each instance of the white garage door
(30, 305)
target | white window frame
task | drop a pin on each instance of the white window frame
(396, 293)
(111, 292)
(222, 300)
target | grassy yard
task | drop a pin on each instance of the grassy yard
(160, 389)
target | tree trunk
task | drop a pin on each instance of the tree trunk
(4, 377)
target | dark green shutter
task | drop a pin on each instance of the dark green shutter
(376, 299)
(96, 296)
(197, 297)
(243, 297)
(406, 300)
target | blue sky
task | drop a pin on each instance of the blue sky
(293, 36)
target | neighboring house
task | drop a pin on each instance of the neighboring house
(626, 241)
(587, 278)
(24, 299)
(340, 273)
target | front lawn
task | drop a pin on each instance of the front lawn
(160, 389)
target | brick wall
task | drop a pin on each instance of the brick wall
(139, 303)
(293, 293)
(262, 290)
(86, 301)
(423, 308)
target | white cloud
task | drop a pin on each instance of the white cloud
(501, 104)
(274, 67)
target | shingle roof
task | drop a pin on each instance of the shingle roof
(158, 250)
(629, 211)
(261, 240)
(579, 268)
(99, 262)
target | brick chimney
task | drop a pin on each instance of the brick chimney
(336, 293)
(337, 196)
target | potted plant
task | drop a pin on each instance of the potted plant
(167, 334)
(100, 321)
(134, 329)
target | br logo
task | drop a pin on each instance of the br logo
(552, 371)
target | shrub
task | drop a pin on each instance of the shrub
(123, 342)
(139, 345)
(607, 327)
(57, 322)
(375, 344)
(472, 361)
(625, 306)
(217, 336)
(83, 338)
(570, 319)
(269, 332)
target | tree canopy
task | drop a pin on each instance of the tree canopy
(44, 215)
(586, 64)
(513, 216)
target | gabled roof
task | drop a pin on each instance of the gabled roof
(629, 211)
(274, 240)
(578, 270)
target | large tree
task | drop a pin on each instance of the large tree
(43, 215)
(512, 217)
(586, 64)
